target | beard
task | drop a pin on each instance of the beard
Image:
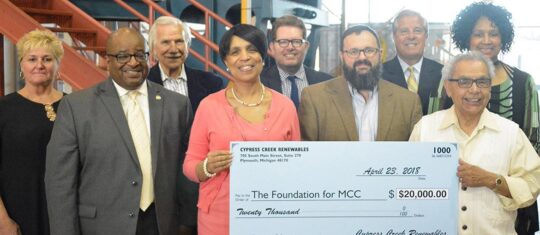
(366, 81)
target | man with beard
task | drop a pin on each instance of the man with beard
(289, 76)
(359, 106)
(116, 149)
(410, 69)
(169, 41)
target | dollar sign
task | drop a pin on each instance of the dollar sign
(391, 194)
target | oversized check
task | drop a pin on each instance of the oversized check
(361, 188)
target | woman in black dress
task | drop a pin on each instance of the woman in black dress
(26, 121)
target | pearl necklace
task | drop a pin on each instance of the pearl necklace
(246, 104)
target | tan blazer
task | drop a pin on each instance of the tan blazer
(326, 112)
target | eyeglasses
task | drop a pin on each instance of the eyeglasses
(355, 52)
(467, 82)
(285, 42)
(415, 31)
(124, 58)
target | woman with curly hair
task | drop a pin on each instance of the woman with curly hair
(487, 28)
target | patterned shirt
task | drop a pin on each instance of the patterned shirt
(177, 84)
(301, 81)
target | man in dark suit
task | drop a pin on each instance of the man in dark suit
(358, 106)
(116, 150)
(288, 46)
(169, 41)
(410, 69)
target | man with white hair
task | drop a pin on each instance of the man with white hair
(409, 68)
(169, 42)
(499, 169)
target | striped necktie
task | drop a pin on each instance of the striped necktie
(411, 81)
(141, 140)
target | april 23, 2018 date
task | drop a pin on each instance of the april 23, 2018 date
(371, 171)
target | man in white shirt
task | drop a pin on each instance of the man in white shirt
(499, 169)
(409, 68)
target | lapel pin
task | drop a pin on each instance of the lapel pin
(158, 97)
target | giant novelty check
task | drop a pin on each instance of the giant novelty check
(355, 188)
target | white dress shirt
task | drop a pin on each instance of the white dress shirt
(366, 113)
(496, 145)
(416, 67)
(142, 99)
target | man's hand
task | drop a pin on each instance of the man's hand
(474, 176)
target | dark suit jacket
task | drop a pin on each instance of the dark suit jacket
(430, 76)
(93, 178)
(270, 77)
(200, 83)
(326, 112)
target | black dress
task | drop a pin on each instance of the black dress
(25, 131)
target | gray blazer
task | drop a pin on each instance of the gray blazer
(93, 178)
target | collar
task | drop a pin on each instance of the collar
(182, 75)
(143, 89)
(405, 66)
(487, 120)
(354, 92)
(300, 74)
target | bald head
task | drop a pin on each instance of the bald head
(120, 36)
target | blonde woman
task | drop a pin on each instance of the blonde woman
(26, 121)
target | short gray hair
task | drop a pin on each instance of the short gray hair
(450, 67)
(169, 20)
(405, 13)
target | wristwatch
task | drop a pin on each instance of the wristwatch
(498, 183)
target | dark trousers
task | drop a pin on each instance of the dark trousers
(527, 220)
(147, 222)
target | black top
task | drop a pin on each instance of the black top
(25, 131)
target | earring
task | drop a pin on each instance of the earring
(21, 75)
(227, 68)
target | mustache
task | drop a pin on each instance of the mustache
(132, 69)
(174, 55)
(363, 62)
(127, 68)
